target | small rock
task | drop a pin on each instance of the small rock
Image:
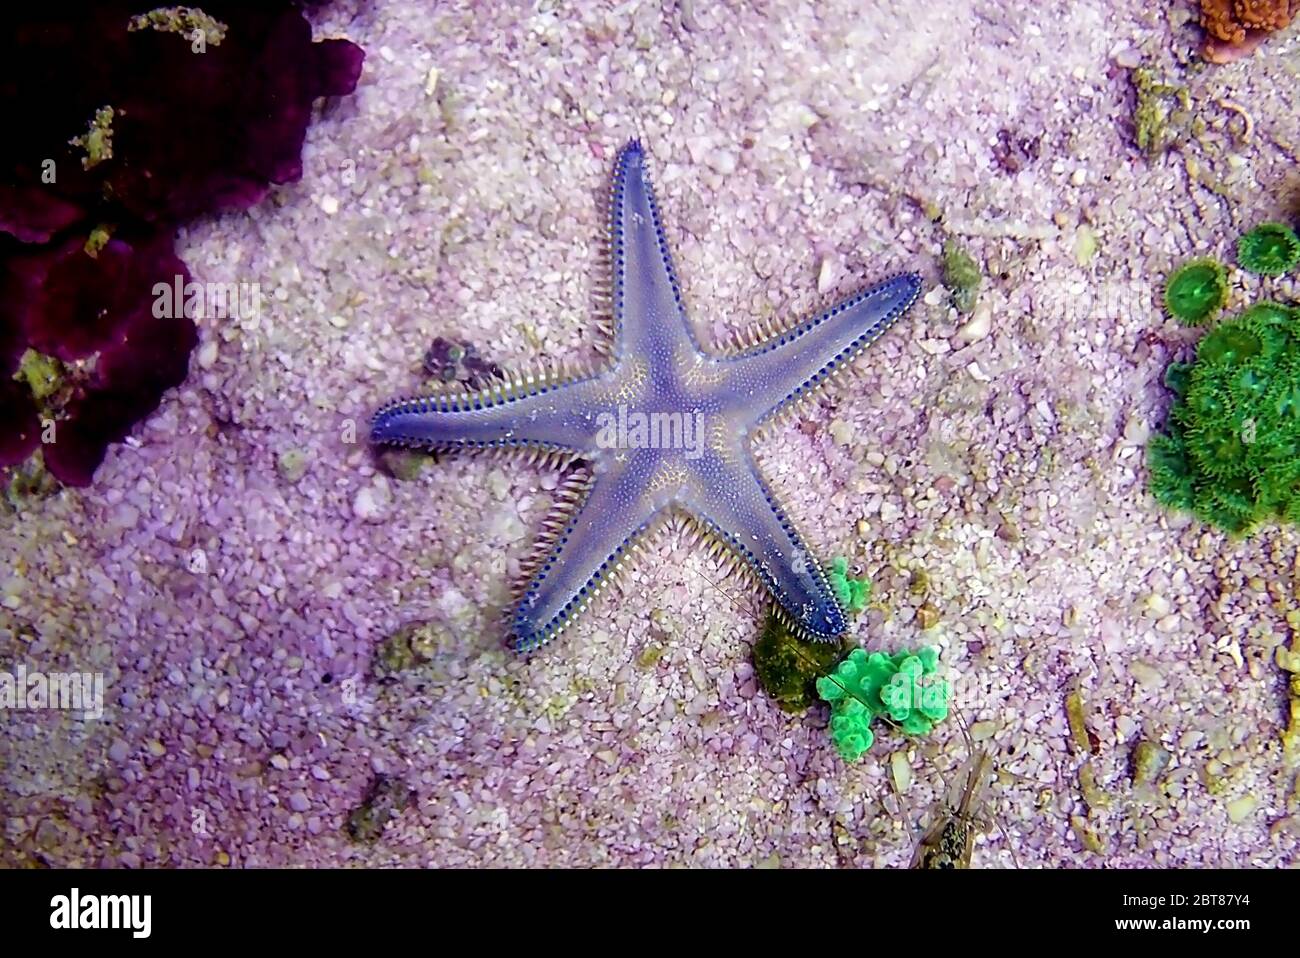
(207, 354)
(927, 616)
(1146, 674)
(723, 161)
(1239, 809)
(371, 502)
(978, 326)
(901, 771)
(1150, 760)
(1157, 605)
(827, 274)
(292, 465)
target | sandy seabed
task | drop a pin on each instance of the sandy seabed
(991, 468)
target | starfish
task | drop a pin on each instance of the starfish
(664, 428)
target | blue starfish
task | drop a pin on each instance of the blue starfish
(664, 428)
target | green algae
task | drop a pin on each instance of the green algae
(185, 21)
(385, 799)
(962, 276)
(1162, 114)
(97, 141)
(787, 667)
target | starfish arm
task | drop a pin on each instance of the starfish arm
(788, 365)
(729, 496)
(537, 412)
(623, 500)
(649, 317)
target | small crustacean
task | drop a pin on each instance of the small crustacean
(956, 816)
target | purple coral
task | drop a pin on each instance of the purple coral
(133, 124)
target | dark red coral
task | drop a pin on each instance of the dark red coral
(151, 356)
(101, 314)
(190, 132)
(139, 130)
(74, 303)
(21, 432)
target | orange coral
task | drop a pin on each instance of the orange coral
(1237, 22)
(1220, 21)
(1266, 15)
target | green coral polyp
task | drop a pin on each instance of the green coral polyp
(1270, 249)
(1176, 377)
(1231, 450)
(852, 593)
(1196, 291)
(1230, 344)
(903, 688)
(1269, 314)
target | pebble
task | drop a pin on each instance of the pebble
(292, 465)
(841, 432)
(1146, 674)
(723, 161)
(1158, 605)
(827, 274)
(1150, 760)
(207, 354)
(1239, 809)
(299, 802)
(371, 502)
(977, 327)
(901, 771)
(927, 616)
